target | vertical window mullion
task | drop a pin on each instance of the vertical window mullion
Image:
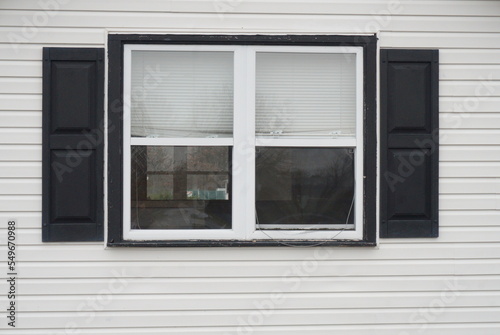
(250, 139)
(244, 144)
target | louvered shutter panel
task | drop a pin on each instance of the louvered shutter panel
(409, 143)
(73, 141)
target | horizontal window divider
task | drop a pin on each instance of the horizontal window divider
(305, 142)
(158, 141)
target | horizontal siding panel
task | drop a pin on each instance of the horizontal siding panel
(469, 218)
(12, 153)
(28, 203)
(23, 52)
(459, 8)
(20, 136)
(25, 220)
(21, 102)
(21, 119)
(469, 72)
(469, 186)
(20, 169)
(469, 202)
(231, 318)
(95, 253)
(469, 121)
(469, 153)
(469, 104)
(233, 302)
(383, 284)
(468, 56)
(469, 88)
(469, 137)
(20, 187)
(18, 69)
(469, 169)
(22, 35)
(320, 21)
(21, 85)
(206, 269)
(473, 233)
(438, 40)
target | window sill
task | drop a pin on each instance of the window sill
(237, 243)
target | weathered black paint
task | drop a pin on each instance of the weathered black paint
(409, 174)
(73, 142)
(115, 138)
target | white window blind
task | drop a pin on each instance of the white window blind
(182, 94)
(305, 94)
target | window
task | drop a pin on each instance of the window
(248, 140)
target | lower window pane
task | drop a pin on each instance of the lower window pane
(304, 188)
(174, 187)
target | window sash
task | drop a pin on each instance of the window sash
(244, 142)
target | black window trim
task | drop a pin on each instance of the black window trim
(115, 131)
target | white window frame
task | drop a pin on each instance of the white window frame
(244, 142)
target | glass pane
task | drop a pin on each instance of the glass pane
(304, 186)
(214, 159)
(182, 94)
(305, 94)
(169, 191)
(160, 187)
(207, 187)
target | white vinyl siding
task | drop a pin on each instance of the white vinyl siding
(394, 289)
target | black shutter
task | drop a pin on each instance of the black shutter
(73, 141)
(409, 143)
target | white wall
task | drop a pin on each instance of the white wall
(448, 285)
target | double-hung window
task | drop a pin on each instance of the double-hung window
(263, 140)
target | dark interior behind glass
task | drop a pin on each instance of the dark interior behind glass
(304, 186)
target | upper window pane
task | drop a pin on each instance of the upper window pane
(182, 94)
(305, 94)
